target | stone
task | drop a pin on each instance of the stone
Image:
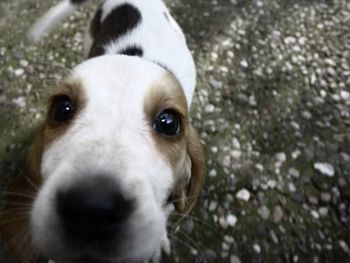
(209, 108)
(208, 254)
(277, 214)
(264, 212)
(257, 248)
(323, 211)
(24, 63)
(344, 246)
(231, 220)
(20, 102)
(19, 72)
(234, 258)
(326, 197)
(212, 173)
(291, 187)
(281, 157)
(345, 95)
(314, 214)
(244, 63)
(215, 83)
(306, 114)
(271, 183)
(212, 206)
(236, 154)
(294, 172)
(345, 156)
(259, 167)
(223, 223)
(325, 169)
(243, 195)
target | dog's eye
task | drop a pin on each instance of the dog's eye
(63, 109)
(167, 122)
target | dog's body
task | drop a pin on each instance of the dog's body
(116, 149)
(141, 28)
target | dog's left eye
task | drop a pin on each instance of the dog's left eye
(63, 109)
(167, 123)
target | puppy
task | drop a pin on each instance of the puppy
(116, 150)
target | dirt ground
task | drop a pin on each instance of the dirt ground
(272, 105)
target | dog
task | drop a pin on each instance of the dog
(115, 153)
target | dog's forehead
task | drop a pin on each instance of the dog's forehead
(118, 79)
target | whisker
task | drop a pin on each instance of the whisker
(31, 251)
(184, 216)
(15, 211)
(9, 193)
(22, 241)
(192, 249)
(30, 181)
(189, 238)
(19, 204)
(13, 220)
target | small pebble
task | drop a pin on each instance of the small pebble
(231, 220)
(314, 214)
(257, 248)
(243, 195)
(277, 214)
(325, 169)
(19, 72)
(264, 212)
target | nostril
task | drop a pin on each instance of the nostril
(93, 209)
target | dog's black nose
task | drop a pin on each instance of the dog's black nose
(93, 209)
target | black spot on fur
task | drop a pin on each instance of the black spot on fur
(77, 2)
(96, 23)
(119, 21)
(132, 51)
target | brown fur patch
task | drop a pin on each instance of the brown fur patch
(184, 151)
(14, 226)
(168, 94)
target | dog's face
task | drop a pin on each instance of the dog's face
(115, 147)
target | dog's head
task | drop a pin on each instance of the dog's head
(115, 147)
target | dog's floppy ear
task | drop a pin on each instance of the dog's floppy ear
(14, 222)
(187, 192)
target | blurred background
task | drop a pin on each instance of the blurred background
(272, 105)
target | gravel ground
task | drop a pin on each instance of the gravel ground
(272, 105)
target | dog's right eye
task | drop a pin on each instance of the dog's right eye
(167, 123)
(63, 109)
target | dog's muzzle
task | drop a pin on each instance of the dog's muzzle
(92, 210)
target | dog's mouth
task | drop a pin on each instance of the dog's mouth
(94, 221)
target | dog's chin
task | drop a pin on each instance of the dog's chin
(92, 257)
(97, 259)
(119, 251)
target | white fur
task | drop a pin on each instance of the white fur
(111, 133)
(162, 41)
(110, 136)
